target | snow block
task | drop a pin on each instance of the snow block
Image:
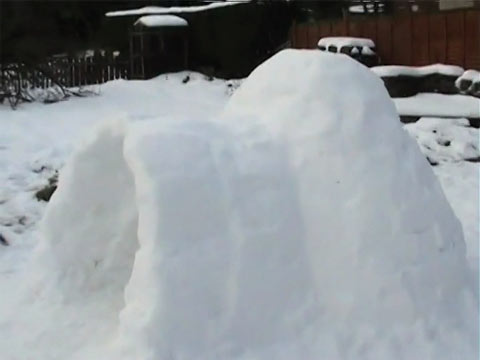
(305, 224)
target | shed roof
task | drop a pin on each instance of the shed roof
(161, 21)
(159, 10)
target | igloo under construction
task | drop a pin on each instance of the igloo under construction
(304, 223)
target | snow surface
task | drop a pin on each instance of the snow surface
(439, 105)
(229, 236)
(446, 140)
(160, 10)
(45, 323)
(448, 143)
(398, 70)
(340, 42)
(35, 140)
(161, 20)
(460, 181)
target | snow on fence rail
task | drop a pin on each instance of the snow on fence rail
(65, 71)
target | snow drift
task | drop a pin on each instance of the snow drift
(304, 224)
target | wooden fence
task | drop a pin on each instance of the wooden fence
(451, 37)
(67, 72)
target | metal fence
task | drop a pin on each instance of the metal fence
(63, 71)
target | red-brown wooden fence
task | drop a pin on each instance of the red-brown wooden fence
(451, 37)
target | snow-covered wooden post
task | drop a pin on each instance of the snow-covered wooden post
(132, 68)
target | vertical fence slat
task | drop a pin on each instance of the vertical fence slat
(420, 53)
(437, 38)
(384, 39)
(302, 36)
(368, 29)
(402, 41)
(455, 38)
(472, 44)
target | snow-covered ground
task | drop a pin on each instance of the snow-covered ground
(36, 140)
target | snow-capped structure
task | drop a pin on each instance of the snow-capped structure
(161, 21)
(305, 224)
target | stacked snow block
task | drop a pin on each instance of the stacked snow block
(406, 81)
(469, 83)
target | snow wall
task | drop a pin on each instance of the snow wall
(302, 224)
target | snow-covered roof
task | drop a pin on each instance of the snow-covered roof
(397, 70)
(159, 10)
(340, 42)
(370, 8)
(357, 9)
(161, 20)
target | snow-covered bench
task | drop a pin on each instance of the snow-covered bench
(361, 49)
(432, 91)
(404, 81)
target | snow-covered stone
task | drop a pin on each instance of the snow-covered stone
(304, 224)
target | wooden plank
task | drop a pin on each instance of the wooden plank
(420, 54)
(472, 39)
(354, 28)
(369, 29)
(455, 38)
(384, 39)
(437, 38)
(338, 28)
(402, 40)
(301, 37)
(325, 29)
(313, 36)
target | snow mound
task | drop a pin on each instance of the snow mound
(287, 230)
